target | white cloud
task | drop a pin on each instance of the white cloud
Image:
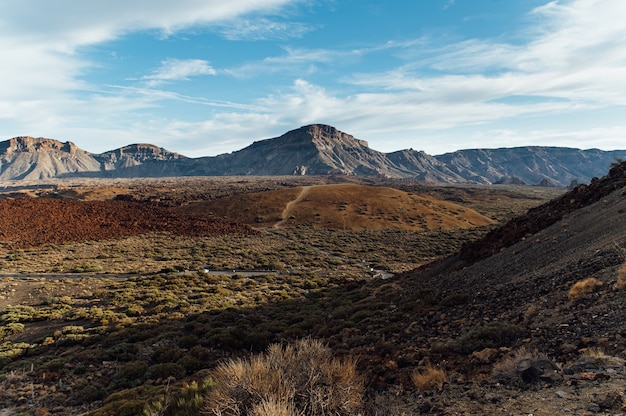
(41, 43)
(178, 70)
(262, 29)
(572, 59)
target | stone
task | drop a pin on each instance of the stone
(530, 371)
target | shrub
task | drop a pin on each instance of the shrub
(166, 370)
(131, 374)
(582, 287)
(492, 335)
(505, 370)
(302, 378)
(430, 378)
(88, 392)
(621, 278)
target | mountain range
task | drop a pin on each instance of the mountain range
(310, 150)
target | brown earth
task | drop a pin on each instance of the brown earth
(30, 222)
(342, 206)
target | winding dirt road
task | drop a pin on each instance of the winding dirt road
(290, 206)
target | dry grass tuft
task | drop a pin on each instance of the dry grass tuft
(582, 287)
(430, 378)
(621, 278)
(298, 379)
(505, 370)
(272, 407)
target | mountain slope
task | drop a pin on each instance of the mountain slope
(135, 155)
(532, 164)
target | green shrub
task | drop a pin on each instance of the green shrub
(492, 335)
(130, 375)
(165, 370)
(86, 393)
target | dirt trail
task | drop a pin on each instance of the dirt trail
(290, 206)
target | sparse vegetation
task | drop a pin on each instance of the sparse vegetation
(430, 378)
(583, 287)
(303, 378)
(506, 371)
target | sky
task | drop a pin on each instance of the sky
(206, 77)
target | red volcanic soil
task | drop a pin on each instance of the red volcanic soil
(31, 222)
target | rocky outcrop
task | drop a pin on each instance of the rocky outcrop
(135, 155)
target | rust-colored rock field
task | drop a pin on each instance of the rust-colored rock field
(30, 222)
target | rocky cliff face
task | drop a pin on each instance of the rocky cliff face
(534, 165)
(135, 155)
(30, 158)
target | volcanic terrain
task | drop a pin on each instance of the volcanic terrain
(528, 319)
(343, 206)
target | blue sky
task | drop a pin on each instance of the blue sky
(205, 77)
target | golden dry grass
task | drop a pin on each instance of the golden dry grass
(430, 378)
(505, 370)
(300, 378)
(582, 287)
(621, 278)
(343, 206)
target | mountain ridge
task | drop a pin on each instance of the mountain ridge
(315, 149)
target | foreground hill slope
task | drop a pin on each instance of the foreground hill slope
(521, 274)
(345, 206)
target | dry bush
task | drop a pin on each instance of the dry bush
(532, 311)
(621, 278)
(274, 408)
(298, 379)
(505, 370)
(430, 378)
(593, 352)
(582, 287)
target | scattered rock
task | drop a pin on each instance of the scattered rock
(530, 371)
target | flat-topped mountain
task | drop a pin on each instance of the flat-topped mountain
(310, 150)
(38, 158)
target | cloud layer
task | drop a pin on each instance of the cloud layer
(559, 81)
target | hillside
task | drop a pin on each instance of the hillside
(346, 207)
(531, 165)
(310, 150)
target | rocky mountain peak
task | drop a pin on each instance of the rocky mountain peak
(142, 151)
(328, 136)
(35, 144)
